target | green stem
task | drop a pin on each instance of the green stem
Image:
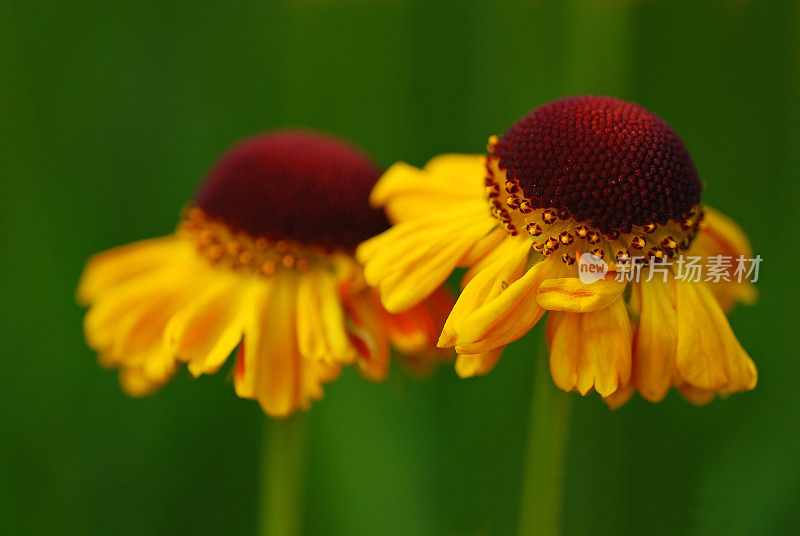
(598, 59)
(282, 476)
(540, 511)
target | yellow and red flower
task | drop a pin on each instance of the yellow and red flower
(578, 175)
(262, 261)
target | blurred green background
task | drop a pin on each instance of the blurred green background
(110, 114)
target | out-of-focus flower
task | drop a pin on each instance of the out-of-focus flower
(580, 175)
(263, 261)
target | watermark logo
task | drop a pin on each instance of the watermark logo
(690, 269)
(591, 268)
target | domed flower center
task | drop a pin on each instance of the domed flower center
(278, 193)
(598, 169)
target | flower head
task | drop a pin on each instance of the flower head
(295, 186)
(262, 261)
(578, 176)
(598, 169)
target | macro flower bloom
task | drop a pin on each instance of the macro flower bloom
(262, 261)
(580, 175)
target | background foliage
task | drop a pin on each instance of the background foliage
(112, 112)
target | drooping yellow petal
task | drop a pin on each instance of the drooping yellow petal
(135, 382)
(137, 336)
(407, 331)
(207, 330)
(416, 330)
(271, 368)
(139, 329)
(509, 262)
(158, 365)
(554, 318)
(367, 335)
(720, 235)
(102, 322)
(321, 328)
(382, 253)
(347, 271)
(316, 373)
(468, 365)
(508, 315)
(477, 257)
(255, 308)
(620, 397)
(697, 396)
(408, 262)
(144, 372)
(565, 348)
(656, 339)
(606, 350)
(709, 356)
(487, 251)
(106, 271)
(592, 350)
(125, 323)
(571, 295)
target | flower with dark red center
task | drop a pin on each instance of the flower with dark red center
(296, 186)
(600, 170)
(263, 262)
(608, 163)
(580, 177)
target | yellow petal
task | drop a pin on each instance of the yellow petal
(554, 318)
(271, 369)
(102, 322)
(459, 169)
(159, 365)
(126, 326)
(382, 254)
(509, 262)
(656, 339)
(488, 250)
(407, 192)
(106, 271)
(709, 356)
(592, 350)
(408, 270)
(698, 397)
(207, 330)
(468, 365)
(320, 317)
(729, 293)
(140, 330)
(316, 373)
(136, 383)
(507, 316)
(565, 348)
(416, 330)
(367, 335)
(720, 235)
(571, 295)
(620, 397)
(348, 272)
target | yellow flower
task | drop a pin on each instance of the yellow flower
(581, 175)
(263, 261)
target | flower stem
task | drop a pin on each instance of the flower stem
(282, 476)
(540, 511)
